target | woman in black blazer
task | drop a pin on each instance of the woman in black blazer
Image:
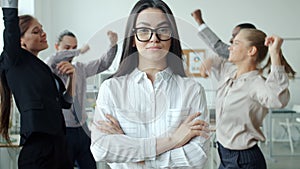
(39, 94)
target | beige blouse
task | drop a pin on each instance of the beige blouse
(242, 103)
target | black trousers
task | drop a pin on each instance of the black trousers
(79, 142)
(251, 158)
(44, 151)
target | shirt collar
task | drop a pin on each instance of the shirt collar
(244, 76)
(248, 75)
(138, 75)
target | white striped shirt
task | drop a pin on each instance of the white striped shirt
(145, 112)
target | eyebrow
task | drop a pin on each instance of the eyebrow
(37, 27)
(236, 41)
(148, 24)
(69, 45)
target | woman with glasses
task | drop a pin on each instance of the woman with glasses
(38, 93)
(149, 114)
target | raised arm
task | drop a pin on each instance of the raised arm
(274, 43)
(104, 62)
(11, 34)
(274, 93)
(209, 37)
(65, 55)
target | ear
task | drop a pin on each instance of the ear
(23, 45)
(252, 51)
(56, 46)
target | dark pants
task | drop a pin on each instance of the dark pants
(251, 158)
(44, 151)
(79, 144)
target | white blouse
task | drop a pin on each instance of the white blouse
(145, 112)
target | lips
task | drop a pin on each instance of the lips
(154, 48)
(44, 41)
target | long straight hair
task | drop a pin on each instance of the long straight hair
(5, 92)
(5, 107)
(129, 57)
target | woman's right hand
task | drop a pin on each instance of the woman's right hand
(189, 129)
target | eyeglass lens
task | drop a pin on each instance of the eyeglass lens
(145, 34)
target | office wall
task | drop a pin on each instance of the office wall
(90, 19)
(87, 17)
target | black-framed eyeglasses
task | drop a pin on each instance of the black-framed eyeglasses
(144, 34)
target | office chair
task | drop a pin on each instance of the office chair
(287, 126)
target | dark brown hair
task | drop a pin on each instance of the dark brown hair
(5, 107)
(129, 57)
(287, 67)
(24, 23)
(63, 34)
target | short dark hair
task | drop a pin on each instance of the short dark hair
(63, 34)
(246, 26)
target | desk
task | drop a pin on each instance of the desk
(10, 152)
(279, 113)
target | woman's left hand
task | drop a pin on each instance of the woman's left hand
(274, 43)
(110, 126)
